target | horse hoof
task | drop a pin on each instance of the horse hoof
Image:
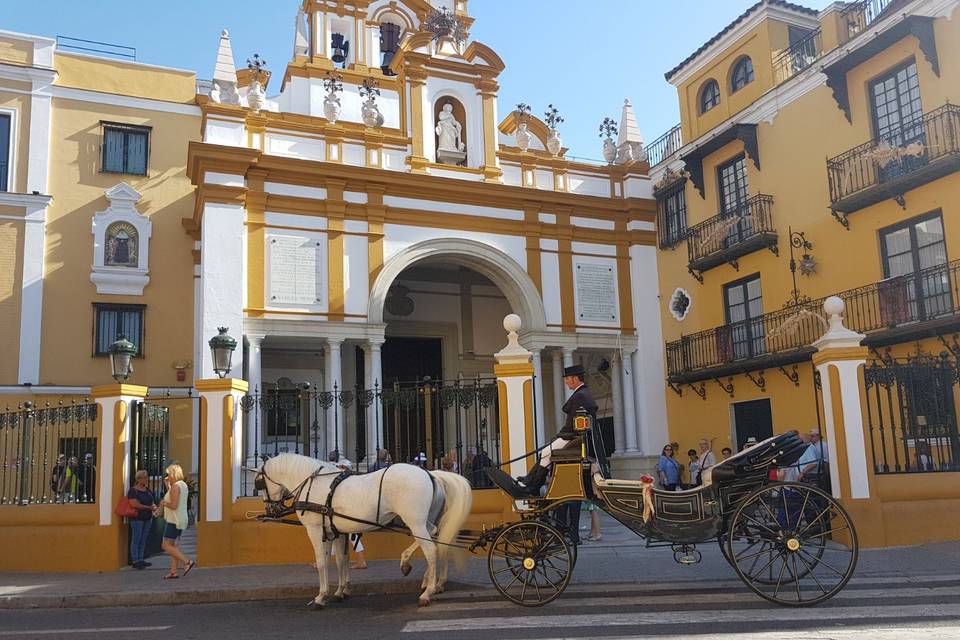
(313, 605)
(439, 589)
(405, 569)
(423, 602)
(339, 597)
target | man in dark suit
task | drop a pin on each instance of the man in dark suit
(580, 399)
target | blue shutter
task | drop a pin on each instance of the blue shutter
(137, 152)
(113, 155)
(4, 150)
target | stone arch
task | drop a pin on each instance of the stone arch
(501, 269)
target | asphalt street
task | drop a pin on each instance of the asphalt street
(874, 608)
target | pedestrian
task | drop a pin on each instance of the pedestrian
(595, 534)
(669, 469)
(705, 460)
(70, 487)
(174, 505)
(924, 456)
(466, 467)
(750, 442)
(725, 453)
(88, 478)
(383, 461)
(480, 462)
(57, 476)
(693, 468)
(452, 459)
(143, 500)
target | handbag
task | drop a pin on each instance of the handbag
(124, 509)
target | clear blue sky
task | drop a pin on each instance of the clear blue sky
(584, 64)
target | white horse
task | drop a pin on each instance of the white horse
(426, 502)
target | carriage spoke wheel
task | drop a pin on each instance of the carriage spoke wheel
(792, 544)
(530, 563)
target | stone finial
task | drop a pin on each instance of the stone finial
(225, 72)
(629, 140)
(512, 353)
(837, 334)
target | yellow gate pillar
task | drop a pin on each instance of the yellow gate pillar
(514, 371)
(221, 459)
(115, 419)
(839, 359)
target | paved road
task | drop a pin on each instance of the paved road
(874, 608)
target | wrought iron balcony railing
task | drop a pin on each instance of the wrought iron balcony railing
(798, 57)
(730, 235)
(859, 15)
(664, 146)
(897, 309)
(915, 153)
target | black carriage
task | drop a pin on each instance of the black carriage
(790, 542)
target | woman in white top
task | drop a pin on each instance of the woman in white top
(174, 506)
(706, 459)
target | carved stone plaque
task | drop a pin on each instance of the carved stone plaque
(596, 292)
(295, 270)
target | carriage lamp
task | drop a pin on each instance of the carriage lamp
(121, 358)
(222, 347)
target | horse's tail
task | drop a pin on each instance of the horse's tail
(458, 500)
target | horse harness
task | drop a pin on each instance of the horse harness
(290, 502)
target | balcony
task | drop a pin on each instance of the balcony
(726, 237)
(910, 156)
(664, 146)
(860, 15)
(895, 310)
(801, 55)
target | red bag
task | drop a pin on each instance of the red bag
(124, 509)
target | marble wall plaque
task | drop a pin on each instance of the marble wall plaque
(596, 292)
(296, 275)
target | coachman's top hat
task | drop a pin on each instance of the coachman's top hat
(575, 370)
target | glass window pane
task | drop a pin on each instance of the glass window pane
(929, 231)
(4, 151)
(897, 241)
(738, 313)
(734, 295)
(933, 255)
(753, 288)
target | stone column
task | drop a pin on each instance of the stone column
(629, 411)
(838, 359)
(538, 393)
(221, 266)
(558, 395)
(514, 373)
(376, 382)
(115, 415)
(616, 381)
(334, 382)
(567, 362)
(255, 385)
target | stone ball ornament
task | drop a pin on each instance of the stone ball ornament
(512, 323)
(834, 306)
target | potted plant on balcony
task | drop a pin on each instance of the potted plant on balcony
(522, 135)
(333, 84)
(553, 118)
(608, 129)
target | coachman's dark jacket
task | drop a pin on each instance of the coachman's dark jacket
(581, 398)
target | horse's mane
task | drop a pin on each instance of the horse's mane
(298, 465)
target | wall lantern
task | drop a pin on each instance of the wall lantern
(121, 358)
(222, 347)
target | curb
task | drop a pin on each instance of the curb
(197, 596)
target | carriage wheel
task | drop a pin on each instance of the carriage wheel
(792, 544)
(530, 563)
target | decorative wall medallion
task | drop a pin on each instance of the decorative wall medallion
(680, 304)
(398, 302)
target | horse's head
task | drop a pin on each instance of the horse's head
(274, 493)
(280, 480)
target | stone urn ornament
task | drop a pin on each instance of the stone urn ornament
(370, 112)
(256, 97)
(553, 118)
(608, 129)
(333, 85)
(522, 135)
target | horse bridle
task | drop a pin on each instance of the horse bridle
(285, 505)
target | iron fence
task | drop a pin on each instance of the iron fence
(664, 146)
(859, 15)
(452, 424)
(902, 304)
(48, 453)
(896, 155)
(911, 414)
(799, 56)
(729, 229)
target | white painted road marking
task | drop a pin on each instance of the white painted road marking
(439, 606)
(896, 633)
(683, 617)
(73, 630)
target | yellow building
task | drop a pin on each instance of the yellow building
(817, 155)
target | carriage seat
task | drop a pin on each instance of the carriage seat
(573, 452)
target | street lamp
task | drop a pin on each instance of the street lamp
(121, 358)
(807, 265)
(222, 347)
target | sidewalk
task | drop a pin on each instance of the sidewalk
(619, 558)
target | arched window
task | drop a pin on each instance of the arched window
(742, 74)
(709, 96)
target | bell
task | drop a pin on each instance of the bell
(340, 48)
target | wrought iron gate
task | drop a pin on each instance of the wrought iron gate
(150, 443)
(911, 414)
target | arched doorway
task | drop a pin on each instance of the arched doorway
(443, 304)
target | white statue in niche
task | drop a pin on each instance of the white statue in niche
(450, 147)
